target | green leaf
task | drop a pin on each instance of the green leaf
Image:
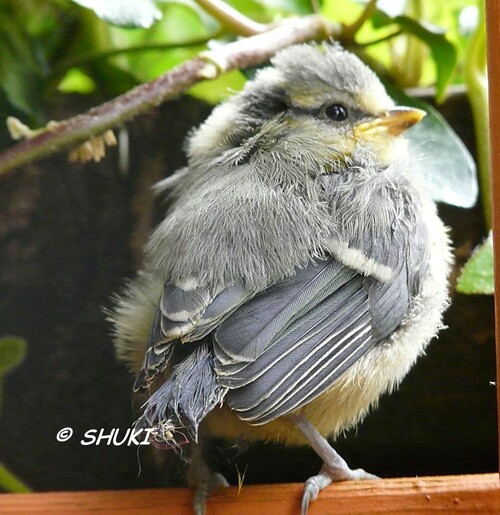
(289, 6)
(181, 23)
(10, 482)
(254, 9)
(444, 53)
(381, 19)
(215, 91)
(124, 13)
(21, 85)
(347, 14)
(21, 73)
(440, 158)
(76, 81)
(112, 79)
(477, 274)
(12, 352)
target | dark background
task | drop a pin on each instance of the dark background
(69, 236)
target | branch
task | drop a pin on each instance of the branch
(230, 18)
(242, 53)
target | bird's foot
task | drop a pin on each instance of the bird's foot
(334, 466)
(205, 488)
(203, 480)
(327, 475)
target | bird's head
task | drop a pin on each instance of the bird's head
(321, 89)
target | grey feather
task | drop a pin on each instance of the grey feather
(153, 362)
(187, 396)
(329, 68)
(237, 208)
(245, 334)
(323, 338)
(312, 382)
(185, 316)
(405, 250)
(223, 305)
(304, 332)
(274, 382)
(179, 305)
(248, 333)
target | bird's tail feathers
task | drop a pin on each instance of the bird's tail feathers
(175, 411)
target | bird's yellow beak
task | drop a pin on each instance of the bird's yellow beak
(392, 122)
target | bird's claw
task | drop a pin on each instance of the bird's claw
(362, 474)
(204, 489)
(313, 487)
(307, 497)
(326, 476)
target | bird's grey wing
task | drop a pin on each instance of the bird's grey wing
(185, 315)
(259, 322)
(287, 345)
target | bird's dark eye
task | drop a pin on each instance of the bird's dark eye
(336, 112)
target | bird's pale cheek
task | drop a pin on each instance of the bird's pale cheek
(384, 147)
(382, 133)
(340, 148)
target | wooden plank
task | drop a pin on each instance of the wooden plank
(493, 56)
(478, 494)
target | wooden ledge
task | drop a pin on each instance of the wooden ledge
(462, 494)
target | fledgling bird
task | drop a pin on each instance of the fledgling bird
(298, 274)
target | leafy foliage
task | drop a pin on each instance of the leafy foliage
(447, 169)
(12, 352)
(443, 51)
(54, 47)
(50, 48)
(130, 13)
(477, 275)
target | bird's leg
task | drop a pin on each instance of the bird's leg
(202, 479)
(334, 466)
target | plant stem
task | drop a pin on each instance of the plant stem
(415, 52)
(10, 482)
(230, 18)
(239, 54)
(96, 56)
(381, 40)
(349, 32)
(477, 91)
(315, 6)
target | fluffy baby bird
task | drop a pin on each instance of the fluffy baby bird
(298, 274)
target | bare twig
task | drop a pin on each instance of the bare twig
(245, 52)
(255, 50)
(231, 19)
(315, 6)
